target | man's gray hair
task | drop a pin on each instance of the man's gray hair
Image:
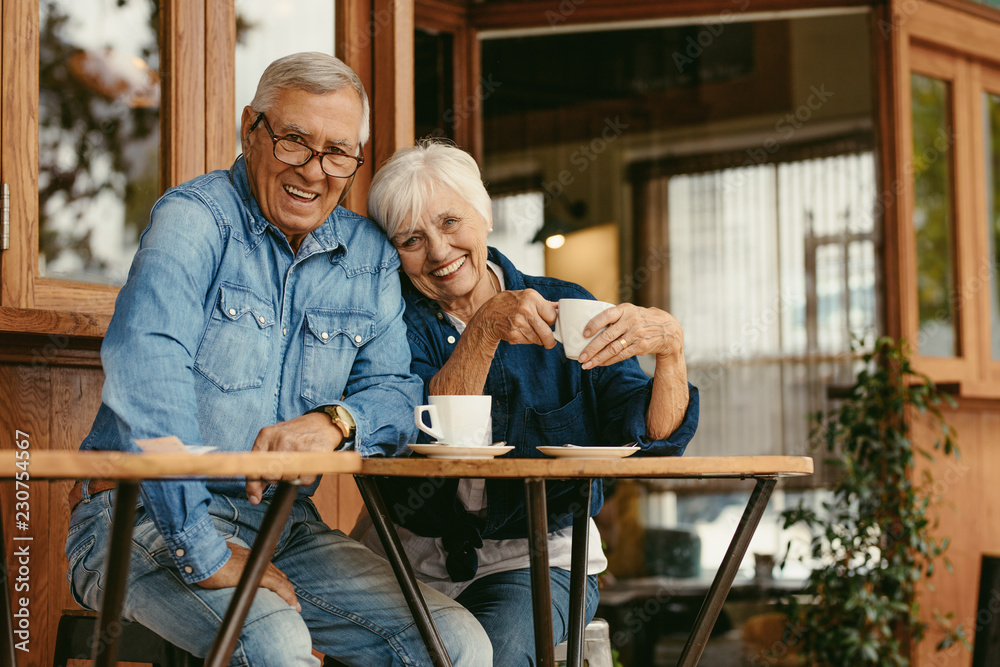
(314, 72)
(405, 184)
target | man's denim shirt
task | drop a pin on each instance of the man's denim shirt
(539, 398)
(220, 331)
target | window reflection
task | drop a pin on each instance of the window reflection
(98, 134)
(269, 29)
(932, 215)
(992, 118)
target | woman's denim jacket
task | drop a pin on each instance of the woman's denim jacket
(221, 330)
(539, 398)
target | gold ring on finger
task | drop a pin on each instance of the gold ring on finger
(623, 342)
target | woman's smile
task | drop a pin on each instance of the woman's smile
(450, 268)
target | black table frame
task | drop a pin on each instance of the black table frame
(539, 564)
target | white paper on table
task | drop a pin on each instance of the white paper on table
(170, 444)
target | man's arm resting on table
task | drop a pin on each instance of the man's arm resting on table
(311, 432)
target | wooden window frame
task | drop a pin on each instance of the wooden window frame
(943, 41)
(197, 52)
(441, 16)
(984, 80)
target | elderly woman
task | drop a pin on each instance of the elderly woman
(476, 325)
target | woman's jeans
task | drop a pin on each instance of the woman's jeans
(352, 607)
(502, 603)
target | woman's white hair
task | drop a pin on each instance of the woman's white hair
(314, 72)
(405, 184)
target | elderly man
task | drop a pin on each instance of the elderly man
(258, 314)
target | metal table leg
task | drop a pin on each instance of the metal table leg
(404, 573)
(538, 559)
(578, 577)
(116, 573)
(260, 555)
(723, 581)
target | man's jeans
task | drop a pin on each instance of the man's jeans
(502, 603)
(352, 608)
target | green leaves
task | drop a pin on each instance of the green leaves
(874, 539)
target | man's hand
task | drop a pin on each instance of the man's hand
(312, 432)
(229, 575)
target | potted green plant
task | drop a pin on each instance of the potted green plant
(874, 536)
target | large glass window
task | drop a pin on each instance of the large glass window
(98, 135)
(933, 215)
(269, 29)
(991, 109)
(734, 164)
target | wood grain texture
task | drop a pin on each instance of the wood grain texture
(887, 47)
(660, 467)
(349, 503)
(967, 514)
(325, 498)
(19, 157)
(118, 465)
(392, 95)
(547, 14)
(220, 84)
(183, 108)
(24, 391)
(53, 322)
(353, 44)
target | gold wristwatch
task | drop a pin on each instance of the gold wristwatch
(341, 418)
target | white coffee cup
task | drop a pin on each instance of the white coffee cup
(571, 318)
(457, 420)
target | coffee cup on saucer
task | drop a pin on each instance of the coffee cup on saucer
(462, 421)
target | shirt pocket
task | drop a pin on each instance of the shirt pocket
(234, 351)
(566, 425)
(332, 341)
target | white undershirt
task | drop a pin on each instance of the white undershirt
(427, 554)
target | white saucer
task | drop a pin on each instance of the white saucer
(445, 451)
(577, 452)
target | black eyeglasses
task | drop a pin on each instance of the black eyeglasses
(295, 153)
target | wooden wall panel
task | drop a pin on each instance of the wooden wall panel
(968, 515)
(24, 394)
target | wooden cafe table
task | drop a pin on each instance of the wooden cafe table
(765, 470)
(128, 470)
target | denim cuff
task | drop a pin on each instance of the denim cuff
(198, 552)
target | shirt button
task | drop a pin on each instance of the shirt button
(179, 553)
(232, 311)
(357, 339)
(188, 569)
(440, 316)
(261, 319)
(275, 391)
(284, 331)
(451, 339)
(324, 335)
